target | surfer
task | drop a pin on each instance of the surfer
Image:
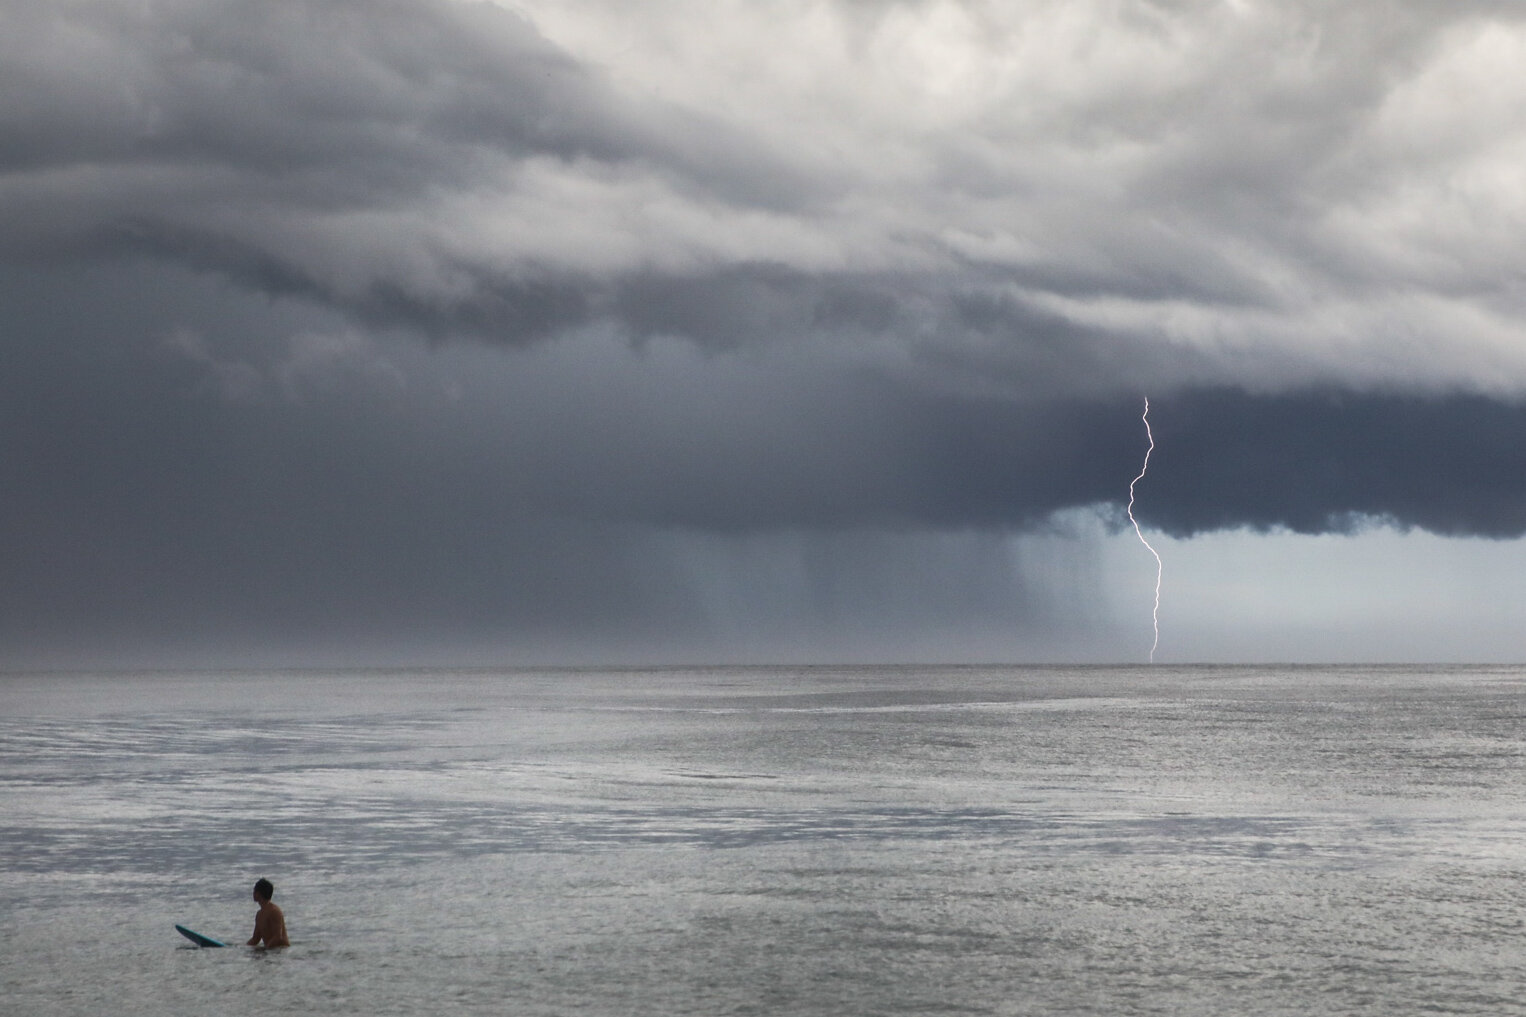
(269, 922)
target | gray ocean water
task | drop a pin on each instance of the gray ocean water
(847, 841)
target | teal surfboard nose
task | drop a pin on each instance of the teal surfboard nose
(197, 937)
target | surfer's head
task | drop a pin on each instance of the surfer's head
(263, 889)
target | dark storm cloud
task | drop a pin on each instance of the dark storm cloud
(208, 436)
(211, 484)
(1330, 461)
(343, 316)
(860, 452)
(215, 485)
(447, 167)
(334, 104)
(291, 145)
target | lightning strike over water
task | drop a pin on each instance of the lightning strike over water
(1159, 568)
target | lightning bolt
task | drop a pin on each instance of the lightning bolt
(1159, 568)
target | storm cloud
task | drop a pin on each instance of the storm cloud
(321, 316)
(1302, 192)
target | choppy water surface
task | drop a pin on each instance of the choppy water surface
(769, 841)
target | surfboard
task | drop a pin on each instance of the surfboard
(197, 937)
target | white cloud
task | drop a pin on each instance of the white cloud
(1262, 193)
(1293, 193)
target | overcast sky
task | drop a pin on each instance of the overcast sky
(355, 331)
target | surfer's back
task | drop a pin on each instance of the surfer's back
(269, 921)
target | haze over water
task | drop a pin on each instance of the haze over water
(866, 840)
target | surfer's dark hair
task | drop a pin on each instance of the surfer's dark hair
(264, 889)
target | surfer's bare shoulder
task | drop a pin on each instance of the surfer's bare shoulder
(270, 927)
(269, 921)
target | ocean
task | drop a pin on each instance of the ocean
(794, 841)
